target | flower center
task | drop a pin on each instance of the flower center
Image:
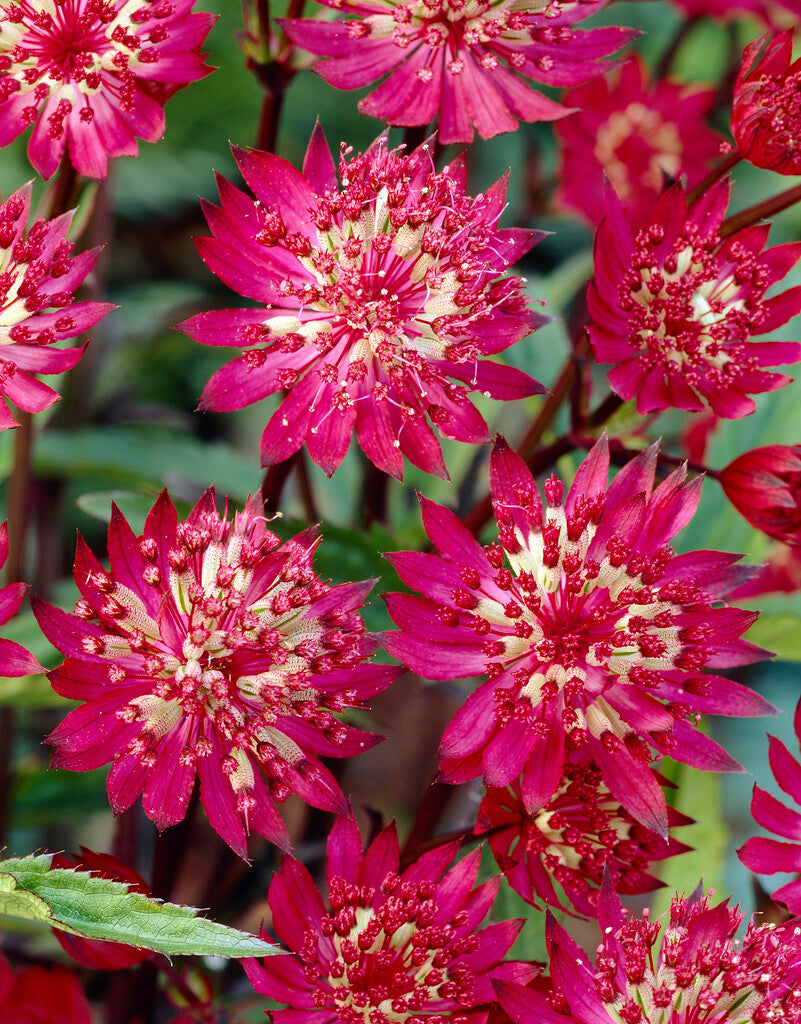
(235, 648)
(384, 957)
(691, 310)
(637, 147)
(398, 269)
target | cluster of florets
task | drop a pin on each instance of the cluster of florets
(463, 61)
(578, 834)
(675, 304)
(209, 648)
(381, 289)
(698, 974)
(591, 629)
(93, 75)
(766, 110)
(395, 947)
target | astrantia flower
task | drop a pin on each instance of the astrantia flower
(635, 134)
(764, 485)
(578, 833)
(591, 630)
(393, 948)
(674, 306)
(41, 995)
(93, 75)
(698, 974)
(37, 284)
(209, 648)
(375, 294)
(465, 61)
(15, 661)
(766, 109)
(769, 856)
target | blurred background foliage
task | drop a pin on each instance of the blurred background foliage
(127, 427)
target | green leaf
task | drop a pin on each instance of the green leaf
(98, 908)
(780, 634)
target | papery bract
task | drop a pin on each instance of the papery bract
(764, 485)
(210, 649)
(766, 109)
(636, 134)
(94, 75)
(395, 947)
(769, 856)
(375, 294)
(466, 64)
(41, 995)
(581, 831)
(674, 306)
(40, 275)
(591, 629)
(697, 974)
(98, 954)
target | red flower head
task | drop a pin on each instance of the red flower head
(99, 954)
(93, 75)
(394, 948)
(635, 134)
(776, 14)
(764, 485)
(698, 974)
(209, 648)
(578, 833)
(466, 63)
(591, 630)
(375, 292)
(769, 856)
(15, 661)
(39, 995)
(674, 306)
(766, 110)
(37, 307)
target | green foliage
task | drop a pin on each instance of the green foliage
(98, 908)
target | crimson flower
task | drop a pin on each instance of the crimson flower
(775, 14)
(465, 63)
(764, 485)
(395, 947)
(15, 661)
(674, 306)
(372, 293)
(211, 649)
(579, 832)
(768, 856)
(100, 954)
(766, 109)
(41, 995)
(592, 631)
(698, 974)
(635, 134)
(37, 307)
(93, 75)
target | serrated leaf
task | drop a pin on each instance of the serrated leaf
(98, 908)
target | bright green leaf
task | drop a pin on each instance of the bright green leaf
(98, 908)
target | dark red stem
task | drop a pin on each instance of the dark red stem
(760, 211)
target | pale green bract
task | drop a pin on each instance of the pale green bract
(98, 908)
